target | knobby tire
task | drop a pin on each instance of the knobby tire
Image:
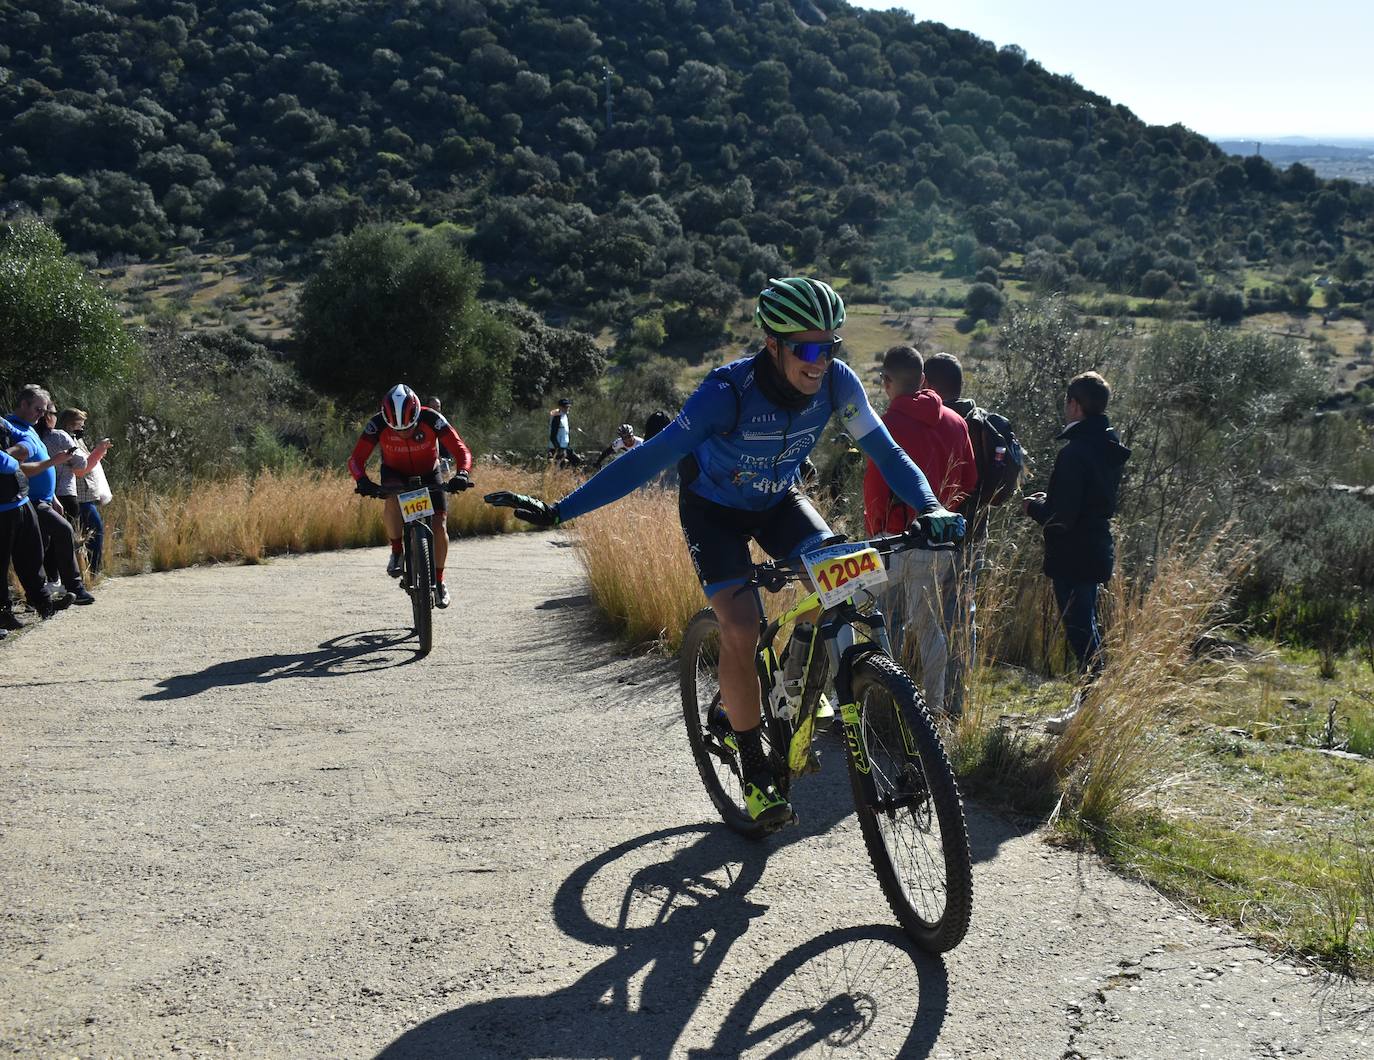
(919, 851)
(698, 674)
(422, 588)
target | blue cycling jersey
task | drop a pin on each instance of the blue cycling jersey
(748, 449)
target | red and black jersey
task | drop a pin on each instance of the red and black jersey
(412, 452)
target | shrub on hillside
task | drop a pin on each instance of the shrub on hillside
(384, 308)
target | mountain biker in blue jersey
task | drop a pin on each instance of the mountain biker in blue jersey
(740, 439)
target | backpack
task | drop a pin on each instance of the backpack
(998, 454)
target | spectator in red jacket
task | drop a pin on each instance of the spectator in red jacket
(921, 598)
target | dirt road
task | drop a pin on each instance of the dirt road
(239, 817)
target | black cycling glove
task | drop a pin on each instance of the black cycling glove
(458, 483)
(530, 509)
(365, 487)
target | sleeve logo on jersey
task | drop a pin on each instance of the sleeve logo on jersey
(850, 411)
(371, 427)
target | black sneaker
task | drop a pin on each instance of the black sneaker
(441, 597)
(82, 595)
(9, 620)
(47, 606)
(395, 564)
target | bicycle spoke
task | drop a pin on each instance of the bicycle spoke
(910, 831)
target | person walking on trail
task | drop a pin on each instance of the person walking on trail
(560, 435)
(740, 440)
(1075, 514)
(625, 439)
(921, 598)
(411, 437)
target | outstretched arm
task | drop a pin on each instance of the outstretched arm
(631, 470)
(709, 410)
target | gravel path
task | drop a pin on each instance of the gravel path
(237, 816)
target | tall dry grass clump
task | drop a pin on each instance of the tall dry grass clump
(246, 519)
(637, 565)
(1112, 751)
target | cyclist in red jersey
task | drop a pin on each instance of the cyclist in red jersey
(410, 436)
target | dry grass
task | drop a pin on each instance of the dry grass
(1114, 748)
(637, 565)
(248, 519)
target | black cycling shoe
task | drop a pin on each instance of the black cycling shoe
(441, 597)
(9, 620)
(396, 564)
(82, 595)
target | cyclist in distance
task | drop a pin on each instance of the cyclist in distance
(625, 439)
(741, 438)
(410, 436)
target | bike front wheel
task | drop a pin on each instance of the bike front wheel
(909, 808)
(707, 731)
(421, 584)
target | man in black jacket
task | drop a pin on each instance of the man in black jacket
(1076, 516)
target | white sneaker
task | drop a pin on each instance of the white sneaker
(1056, 724)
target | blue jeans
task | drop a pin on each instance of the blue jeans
(1078, 609)
(94, 527)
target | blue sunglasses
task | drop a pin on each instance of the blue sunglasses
(812, 351)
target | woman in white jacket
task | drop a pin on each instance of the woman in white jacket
(91, 488)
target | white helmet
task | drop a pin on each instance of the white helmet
(401, 408)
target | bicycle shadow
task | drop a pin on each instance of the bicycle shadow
(351, 653)
(680, 898)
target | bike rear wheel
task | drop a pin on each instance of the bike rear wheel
(699, 674)
(421, 586)
(909, 809)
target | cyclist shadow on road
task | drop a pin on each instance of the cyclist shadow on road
(672, 930)
(352, 653)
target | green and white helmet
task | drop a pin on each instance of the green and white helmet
(799, 303)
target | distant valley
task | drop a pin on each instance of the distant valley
(1341, 159)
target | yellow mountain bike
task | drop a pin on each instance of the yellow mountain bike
(904, 790)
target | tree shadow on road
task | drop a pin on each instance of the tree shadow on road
(352, 653)
(672, 904)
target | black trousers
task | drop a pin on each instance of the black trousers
(59, 547)
(21, 543)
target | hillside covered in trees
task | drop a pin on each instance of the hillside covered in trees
(599, 155)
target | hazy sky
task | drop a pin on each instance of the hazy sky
(1257, 69)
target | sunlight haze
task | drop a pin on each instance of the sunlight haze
(1225, 70)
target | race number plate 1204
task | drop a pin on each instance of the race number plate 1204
(416, 505)
(840, 571)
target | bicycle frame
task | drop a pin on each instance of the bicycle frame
(836, 629)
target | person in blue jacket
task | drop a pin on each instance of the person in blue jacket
(35, 413)
(739, 442)
(21, 541)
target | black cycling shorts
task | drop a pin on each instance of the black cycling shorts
(391, 477)
(718, 537)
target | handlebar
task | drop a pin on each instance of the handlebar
(382, 491)
(775, 575)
